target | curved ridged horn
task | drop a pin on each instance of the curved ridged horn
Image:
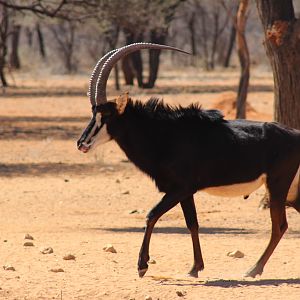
(113, 59)
(95, 74)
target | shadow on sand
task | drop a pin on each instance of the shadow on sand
(33, 169)
(233, 283)
(38, 128)
(182, 230)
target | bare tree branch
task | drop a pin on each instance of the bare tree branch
(56, 9)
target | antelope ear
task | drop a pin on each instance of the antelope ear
(121, 102)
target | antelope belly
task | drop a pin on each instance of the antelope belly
(294, 188)
(238, 189)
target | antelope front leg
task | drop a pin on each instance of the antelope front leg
(166, 203)
(190, 215)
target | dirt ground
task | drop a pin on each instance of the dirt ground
(77, 203)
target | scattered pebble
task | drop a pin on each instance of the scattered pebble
(103, 169)
(5, 241)
(236, 254)
(118, 181)
(180, 294)
(69, 257)
(28, 244)
(148, 297)
(126, 193)
(57, 270)
(110, 248)
(9, 268)
(28, 237)
(136, 211)
(67, 180)
(46, 250)
(152, 261)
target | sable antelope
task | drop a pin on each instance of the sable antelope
(185, 150)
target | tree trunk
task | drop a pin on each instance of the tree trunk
(137, 63)
(3, 42)
(244, 58)
(282, 45)
(204, 39)
(127, 70)
(64, 35)
(157, 37)
(41, 42)
(112, 36)
(28, 32)
(215, 38)
(133, 65)
(14, 59)
(230, 46)
(191, 27)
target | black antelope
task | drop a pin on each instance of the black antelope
(185, 150)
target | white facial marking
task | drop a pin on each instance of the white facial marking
(101, 137)
(239, 189)
(96, 125)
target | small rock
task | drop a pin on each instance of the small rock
(152, 261)
(46, 250)
(28, 237)
(109, 248)
(28, 244)
(236, 254)
(110, 169)
(118, 181)
(69, 257)
(4, 241)
(66, 180)
(126, 193)
(57, 270)
(136, 211)
(9, 268)
(148, 297)
(180, 294)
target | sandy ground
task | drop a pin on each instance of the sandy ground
(78, 203)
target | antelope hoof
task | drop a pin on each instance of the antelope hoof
(195, 269)
(193, 273)
(142, 272)
(256, 270)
